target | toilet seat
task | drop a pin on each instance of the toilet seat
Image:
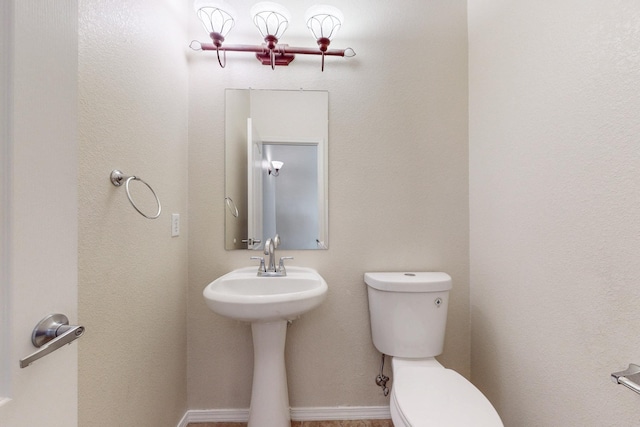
(428, 395)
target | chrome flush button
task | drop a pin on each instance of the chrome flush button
(438, 302)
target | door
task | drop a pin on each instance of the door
(255, 171)
(38, 210)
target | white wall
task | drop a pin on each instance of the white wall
(398, 193)
(133, 274)
(554, 201)
(553, 195)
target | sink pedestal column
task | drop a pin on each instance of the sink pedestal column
(269, 394)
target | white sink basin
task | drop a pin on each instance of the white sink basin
(268, 303)
(243, 295)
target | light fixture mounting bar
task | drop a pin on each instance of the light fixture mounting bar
(279, 49)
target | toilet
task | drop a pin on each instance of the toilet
(408, 314)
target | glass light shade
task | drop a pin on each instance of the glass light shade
(216, 16)
(324, 21)
(274, 168)
(272, 19)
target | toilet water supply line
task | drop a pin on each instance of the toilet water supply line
(381, 379)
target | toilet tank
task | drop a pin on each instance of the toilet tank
(408, 312)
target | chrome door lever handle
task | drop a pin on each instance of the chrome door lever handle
(251, 241)
(50, 334)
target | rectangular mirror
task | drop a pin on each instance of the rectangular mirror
(276, 168)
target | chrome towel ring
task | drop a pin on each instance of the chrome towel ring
(116, 179)
(232, 206)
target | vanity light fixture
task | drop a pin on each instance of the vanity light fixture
(272, 20)
(274, 167)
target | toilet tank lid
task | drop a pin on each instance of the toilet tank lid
(426, 281)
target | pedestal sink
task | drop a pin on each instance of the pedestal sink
(268, 303)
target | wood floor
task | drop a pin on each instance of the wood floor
(350, 423)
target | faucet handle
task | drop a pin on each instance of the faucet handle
(281, 263)
(269, 247)
(261, 267)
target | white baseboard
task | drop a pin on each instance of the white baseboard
(297, 414)
(341, 413)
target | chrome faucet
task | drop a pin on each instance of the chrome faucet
(270, 249)
(270, 268)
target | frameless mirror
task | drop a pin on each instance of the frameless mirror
(276, 168)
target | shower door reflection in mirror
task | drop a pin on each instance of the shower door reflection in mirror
(276, 151)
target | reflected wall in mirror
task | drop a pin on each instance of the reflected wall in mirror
(276, 168)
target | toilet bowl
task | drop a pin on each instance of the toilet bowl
(426, 394)
(408, 313)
